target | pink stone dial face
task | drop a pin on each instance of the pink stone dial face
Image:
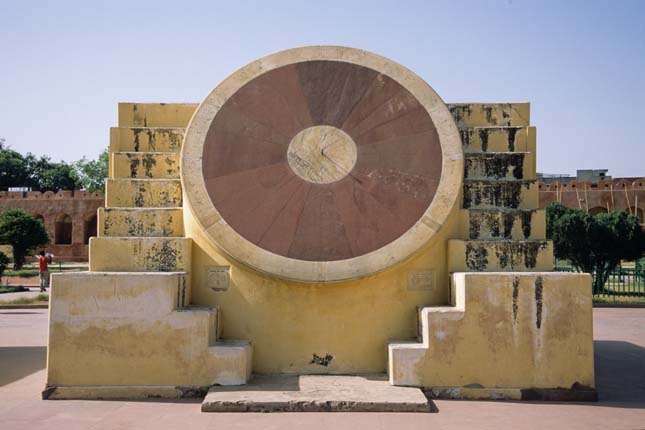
(322, 161)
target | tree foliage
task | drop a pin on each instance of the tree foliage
(43, 174)
(51, 176)
(13, 168)
(23, 232)
(92, 173)
(594, 243)
(4, 263)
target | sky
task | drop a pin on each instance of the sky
(65, 65)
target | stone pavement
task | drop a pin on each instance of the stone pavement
(620, 373)
(316, 393)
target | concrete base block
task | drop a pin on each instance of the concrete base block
(129, 392)
(316, 393)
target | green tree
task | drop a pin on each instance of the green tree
(23, 232)
(92, 173)
(51, 176)
(4, 263)
(595, 243)
(13, 168)
(553, 212)
(40, 174)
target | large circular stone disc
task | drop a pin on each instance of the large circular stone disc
(321, 164)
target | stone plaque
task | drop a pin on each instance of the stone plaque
(218, 278)
(420, 280)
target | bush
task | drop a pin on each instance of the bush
(594, 243)
(4, 263)
(23, 232)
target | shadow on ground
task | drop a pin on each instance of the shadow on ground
(620, 373)
(16, 362)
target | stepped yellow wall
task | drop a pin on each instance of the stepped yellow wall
(504, 330)
(350, 323)
(289, 322)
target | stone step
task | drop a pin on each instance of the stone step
(111, 324)
(139, 254)
(157, 193)
(500, 255)
(498, 139)
(212, 316)
(502, 322)
(502, 193)
(141, 222)
(490, 114)
(235, 361)
(316, 393)
(149, 165)
(146, 139)
(496, 224)
(500, 165)
(123, 295)
(155, 114)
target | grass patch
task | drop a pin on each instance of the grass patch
(618, 299)
(30, 273)
(11, 289)
(40, 299)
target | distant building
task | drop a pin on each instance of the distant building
(593, 175)
(69, 218)
(594, 191)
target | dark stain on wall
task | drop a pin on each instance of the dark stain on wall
(505, 194)
(512, 254)
(476, 257)
(539, 283)
(465, 135)
(162, 259)
(511, 138)
(516, 293)
(459, 112)
(483, 138)
(322, 361)
(526, 218)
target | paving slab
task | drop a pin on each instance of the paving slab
(316, 393)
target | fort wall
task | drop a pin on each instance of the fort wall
(69, 217)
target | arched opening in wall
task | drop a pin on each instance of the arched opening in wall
(598, 210)
(89, 227)
(63, 230)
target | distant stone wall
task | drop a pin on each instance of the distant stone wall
(69, 217)
(618, 194)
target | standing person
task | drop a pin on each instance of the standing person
(43, 270)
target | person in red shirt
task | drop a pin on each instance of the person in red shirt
(43, 270)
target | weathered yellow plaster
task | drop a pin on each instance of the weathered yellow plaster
(503, 330)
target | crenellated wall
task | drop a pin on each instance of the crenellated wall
(618, 194)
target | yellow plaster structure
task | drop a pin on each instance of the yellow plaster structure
(176, 300)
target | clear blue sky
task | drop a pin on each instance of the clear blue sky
(65, 65)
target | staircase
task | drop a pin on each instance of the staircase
(141, 255)
(501, 231)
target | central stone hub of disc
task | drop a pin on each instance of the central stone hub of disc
(322, 154)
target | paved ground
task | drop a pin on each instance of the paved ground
(33, 292)
(620, 372)
(19, 280)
